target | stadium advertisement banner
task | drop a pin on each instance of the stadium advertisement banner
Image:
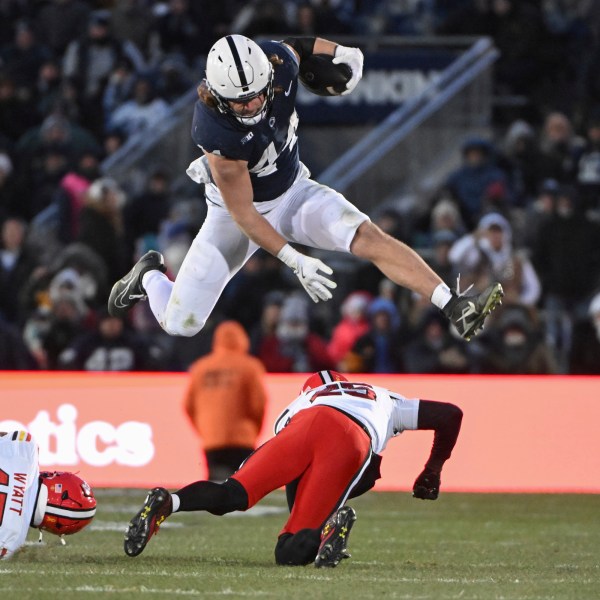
(519, 434)
(389, 79)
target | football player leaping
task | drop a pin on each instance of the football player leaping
(58, 502)
(259, 194)
(325, 451)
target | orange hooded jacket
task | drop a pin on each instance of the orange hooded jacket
(226, 394)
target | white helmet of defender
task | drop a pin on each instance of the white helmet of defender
(238, 70)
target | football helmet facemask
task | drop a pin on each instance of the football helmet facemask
(322, 378)
(237, 70)
(71, 504)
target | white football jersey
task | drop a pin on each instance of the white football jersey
(384, 414)
(19, 487)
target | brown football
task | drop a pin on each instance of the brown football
(321, 76)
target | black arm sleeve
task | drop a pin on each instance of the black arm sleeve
(302, 45)
(445, 419)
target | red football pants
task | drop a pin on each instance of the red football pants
(325, 449)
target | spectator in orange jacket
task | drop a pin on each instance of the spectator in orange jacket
(226, 400)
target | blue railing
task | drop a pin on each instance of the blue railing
(391, 131)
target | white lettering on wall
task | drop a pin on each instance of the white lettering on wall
(378, 87)
(96, 443)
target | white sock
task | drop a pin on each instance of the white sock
(441, 295)
(158, 289)
(176, 502)
(151, 277)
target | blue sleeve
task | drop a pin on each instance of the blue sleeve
(213, 132)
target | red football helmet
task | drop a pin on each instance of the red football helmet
(321, 378)
(71, 503)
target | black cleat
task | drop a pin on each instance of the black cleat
(145, 524)
(467, 313)
(128, 290)
(334, 538)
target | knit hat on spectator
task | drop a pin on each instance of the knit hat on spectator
(355, 305)
(6, 165)
(293, 319)
(594, 308)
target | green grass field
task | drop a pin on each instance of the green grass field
(467, 546)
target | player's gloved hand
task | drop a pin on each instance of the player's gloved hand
(354, 58)
(307, 269)
(427, 485)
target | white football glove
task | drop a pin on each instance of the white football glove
(354, 58)
(306, 268)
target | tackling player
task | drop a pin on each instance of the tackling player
(58, 502)
(326, 450)
(259, 194)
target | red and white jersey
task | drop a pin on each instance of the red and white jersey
(383, 413)
(19, 487)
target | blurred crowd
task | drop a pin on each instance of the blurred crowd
(78, 78)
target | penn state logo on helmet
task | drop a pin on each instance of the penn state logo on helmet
(322, 378)
(237, 70)
(71, 505)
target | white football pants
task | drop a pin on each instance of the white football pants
(308, 213)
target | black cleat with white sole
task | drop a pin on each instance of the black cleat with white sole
(128, 290)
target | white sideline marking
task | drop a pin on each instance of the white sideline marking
(255, 511)
(111, 589)
(120, 492)
(258, 511)
(122, 526)
(34, 543)
(119, 508)
(109, 572)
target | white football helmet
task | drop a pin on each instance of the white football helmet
(238, 70)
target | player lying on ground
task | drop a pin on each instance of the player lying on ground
(58, 502)
(259, 194)
(326, 450)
